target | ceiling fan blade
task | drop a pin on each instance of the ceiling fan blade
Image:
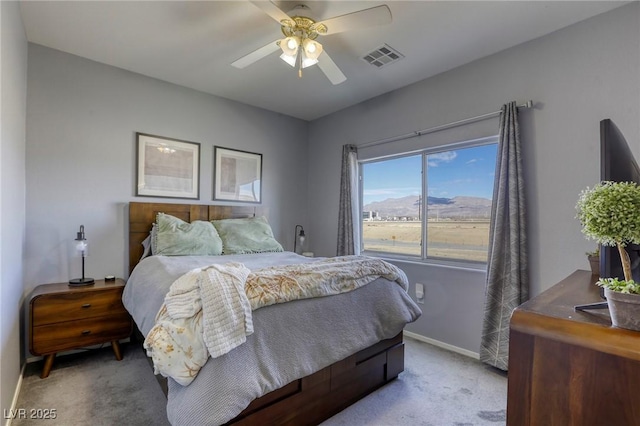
(330, 69)
(272, 10)
(378, 15)
(256, 55)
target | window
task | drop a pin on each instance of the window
(455, 192)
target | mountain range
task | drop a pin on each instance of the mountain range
(456, 207)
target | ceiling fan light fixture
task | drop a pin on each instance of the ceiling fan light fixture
(291, 60)
(290, 45)
(312, 49)
(307, 62)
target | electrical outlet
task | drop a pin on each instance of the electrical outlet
(420, 293)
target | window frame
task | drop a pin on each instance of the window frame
(423, 258)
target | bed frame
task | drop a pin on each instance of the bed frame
(309, 400)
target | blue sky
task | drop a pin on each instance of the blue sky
(461, 172)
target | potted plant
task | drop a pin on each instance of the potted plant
(610, 214)
(594, 261)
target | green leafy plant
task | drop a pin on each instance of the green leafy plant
(624, 286)
(610, 214)
(595, 253)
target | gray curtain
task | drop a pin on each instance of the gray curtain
(348, 219)
(507, 278)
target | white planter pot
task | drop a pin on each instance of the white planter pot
(624, 309)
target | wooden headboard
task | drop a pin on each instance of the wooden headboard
(143, 215)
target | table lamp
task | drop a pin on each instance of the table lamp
(81, 246)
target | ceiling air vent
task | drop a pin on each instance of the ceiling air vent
(383, 56)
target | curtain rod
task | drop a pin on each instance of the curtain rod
(528, 104)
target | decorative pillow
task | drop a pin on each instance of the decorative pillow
(175, 237)
(250, 235)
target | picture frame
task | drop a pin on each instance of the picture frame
(167, 167)
(237, 175)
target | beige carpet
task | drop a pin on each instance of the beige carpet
(438, 387)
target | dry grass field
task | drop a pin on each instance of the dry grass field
(447, 239)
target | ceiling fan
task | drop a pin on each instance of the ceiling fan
(299, 46)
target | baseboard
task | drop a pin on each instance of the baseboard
(16, 394)
(442, 345)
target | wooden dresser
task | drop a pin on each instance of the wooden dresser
(64, 318)
(568, 367)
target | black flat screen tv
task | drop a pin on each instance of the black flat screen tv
(617, 164)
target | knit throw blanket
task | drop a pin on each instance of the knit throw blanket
(207, 311)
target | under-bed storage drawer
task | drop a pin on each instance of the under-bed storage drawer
(317, 397)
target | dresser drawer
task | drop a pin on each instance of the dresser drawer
(54, 308)
(61, 336)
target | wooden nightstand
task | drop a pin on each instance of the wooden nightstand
(64, 318)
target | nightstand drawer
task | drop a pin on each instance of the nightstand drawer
(67, 335)
(55, 308)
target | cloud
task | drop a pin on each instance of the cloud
(473, 160)
(379, 192)
(393, 191)
(434, 160)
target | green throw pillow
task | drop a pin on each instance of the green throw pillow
(250, 235)
(175, 237)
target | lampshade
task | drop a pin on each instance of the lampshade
(307, 62)
(290, 45)
(299, 237)
(81, 244)
(312, 49)
(291, 60)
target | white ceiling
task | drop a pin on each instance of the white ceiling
(193, 43)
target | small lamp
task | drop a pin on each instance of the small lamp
(299, 236)
(82, 248)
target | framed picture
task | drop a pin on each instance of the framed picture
(237, 175)
(167, 167)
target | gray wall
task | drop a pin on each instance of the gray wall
(577, 76)
(81, 122)
(13, 86)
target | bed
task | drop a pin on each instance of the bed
(306, 359)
